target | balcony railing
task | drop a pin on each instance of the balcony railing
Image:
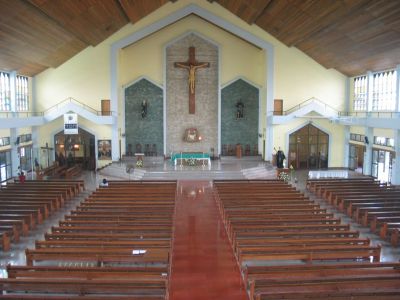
(28, 114)
(304, 103)
(371, 114)
(20, 114)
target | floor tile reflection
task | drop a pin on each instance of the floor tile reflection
(203, 265)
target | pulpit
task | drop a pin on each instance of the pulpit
(238, 150)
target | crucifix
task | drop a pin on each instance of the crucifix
(192, 65)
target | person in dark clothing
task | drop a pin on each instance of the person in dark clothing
(280, 157)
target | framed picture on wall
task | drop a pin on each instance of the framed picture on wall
(104, 149)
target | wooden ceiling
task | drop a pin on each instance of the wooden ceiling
(351, 36)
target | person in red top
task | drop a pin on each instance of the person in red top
(22, 177)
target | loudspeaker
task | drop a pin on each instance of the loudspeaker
(366, 140)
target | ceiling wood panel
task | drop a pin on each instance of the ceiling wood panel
(92, 21)
(33, 41)
(138, 9)
(351, 36)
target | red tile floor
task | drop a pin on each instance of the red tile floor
(203, 265)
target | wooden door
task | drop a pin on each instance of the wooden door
(278, 107)
(105, 107)
(308, 148)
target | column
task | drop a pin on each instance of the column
(35, 144)
(369, 134)
(14, 152)
(397, 107)
(346, 146)
(347, 104)
(396, 161)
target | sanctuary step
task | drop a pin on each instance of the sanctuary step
(197, 174)
(146, 159)
(243, 158)
(121, 171)
(260, 172)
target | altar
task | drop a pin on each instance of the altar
(187, 158)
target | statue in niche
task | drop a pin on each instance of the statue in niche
(144, 109)
(239, 110)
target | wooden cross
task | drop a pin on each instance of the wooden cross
(192, 65)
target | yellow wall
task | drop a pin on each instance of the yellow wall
(336, 141)
(357, 130)
(146, 57)
(25, 130)
(299, 78)
(388, 133)
(4, 133)
(86, 76)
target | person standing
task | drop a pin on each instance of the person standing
(21, 177)
(280, 157)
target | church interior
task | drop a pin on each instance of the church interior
(199, 149)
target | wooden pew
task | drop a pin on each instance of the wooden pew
(387, 228)
(95, 287)
(104, 230)
(334, 281)
(12, 232)
(150, 272)
(5, 240)
(312, 183)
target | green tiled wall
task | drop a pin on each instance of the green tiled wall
(243, 130)
(148, 130)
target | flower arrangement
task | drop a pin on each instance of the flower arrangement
(190, 161)
(139, 163)
(284, 176)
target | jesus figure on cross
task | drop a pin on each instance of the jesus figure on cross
(192, 75)
(192, 65)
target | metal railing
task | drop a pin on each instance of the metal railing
(304, 103)
(27, 114)
(72, 100)
(371, 114)
(20, 114)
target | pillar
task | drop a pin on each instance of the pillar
(369, 134)
(396, 161)
(346, 146)
(397, 106)
(14, 152)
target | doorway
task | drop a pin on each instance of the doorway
(382, 161)
(356, 157)
(72, 149)
(308, 148)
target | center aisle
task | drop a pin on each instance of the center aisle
(203, 265)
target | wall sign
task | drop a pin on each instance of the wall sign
(71, 123)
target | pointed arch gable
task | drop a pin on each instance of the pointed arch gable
(320, 127)
(174, 17)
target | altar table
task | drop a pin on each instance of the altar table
(205, 157)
